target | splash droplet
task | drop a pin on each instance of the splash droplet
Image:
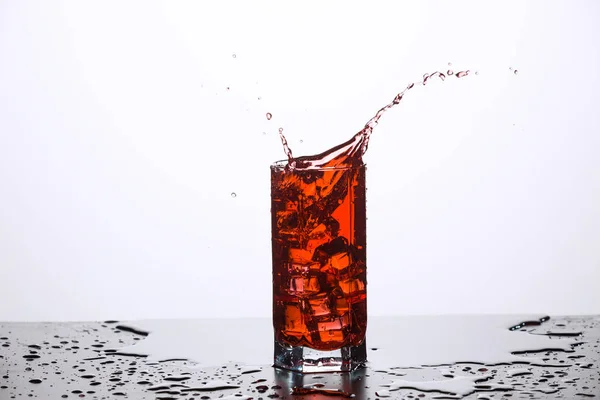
(450, 72)
(449, 64)
(269, 116)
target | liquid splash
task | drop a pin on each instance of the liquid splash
(350, 152)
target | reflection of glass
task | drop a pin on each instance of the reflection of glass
(319, 267)
(355, 382)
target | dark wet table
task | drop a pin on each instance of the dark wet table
(446, 357)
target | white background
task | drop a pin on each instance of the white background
(120, 146)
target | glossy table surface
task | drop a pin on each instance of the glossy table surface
(445, 357)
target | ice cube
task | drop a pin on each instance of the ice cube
(298, 268)
(318, 237)
(338, 266)
(315, 266)
(297, 284)
(294, 325)
(333, 330)
(300, 256)
(332, 336)
(341, 305)
(340, 261)
(351, 286)
(336, 246)
(319, 305)
(330, 325)
(327, 278)
(304, 285)
(312, 284)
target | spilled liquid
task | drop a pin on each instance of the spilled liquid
(212, 359)
(350, 152)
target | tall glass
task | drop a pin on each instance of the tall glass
(319, 267)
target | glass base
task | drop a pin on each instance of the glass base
(306, 360)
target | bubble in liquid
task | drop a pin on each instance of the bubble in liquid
(233, 194)
(269, 116)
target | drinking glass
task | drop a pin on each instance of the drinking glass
(318, 218)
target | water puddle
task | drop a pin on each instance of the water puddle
(410, 358)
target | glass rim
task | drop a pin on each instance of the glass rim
(281, 164)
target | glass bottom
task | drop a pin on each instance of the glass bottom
(306, 360)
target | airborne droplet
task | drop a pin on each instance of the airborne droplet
(269, 116)
(233, 194)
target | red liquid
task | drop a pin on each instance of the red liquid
(319, 241)
(319, 256)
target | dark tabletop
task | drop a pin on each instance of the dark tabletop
(446, 357)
